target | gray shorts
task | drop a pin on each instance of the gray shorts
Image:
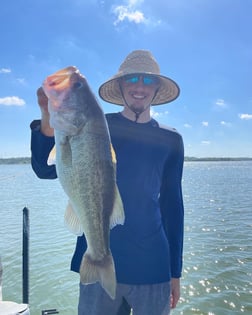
(151, 299)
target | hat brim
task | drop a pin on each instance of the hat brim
(168, 91)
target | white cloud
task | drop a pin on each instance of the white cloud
(124, 13)
(21, 81)
(187, 125)
(129, 12)
(12, 101)
(225, 123)
(205, 142)
(132, 11)
(5, 70)
(158, 114)
(245, 116)
(221, 103)
(205, 123)
(135, 2)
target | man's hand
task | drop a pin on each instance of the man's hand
(175, 291)
(45, 116)
(42, 100)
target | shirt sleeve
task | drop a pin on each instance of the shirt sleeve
(171, 205)
(41, 146)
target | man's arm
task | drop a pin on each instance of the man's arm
(42, 140)
(172, 210)
(41, 146)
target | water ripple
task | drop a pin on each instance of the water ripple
(217, 275)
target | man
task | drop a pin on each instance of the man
(147, 249)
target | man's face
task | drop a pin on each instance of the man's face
(139, 90)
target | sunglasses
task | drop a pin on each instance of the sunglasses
(146, 79)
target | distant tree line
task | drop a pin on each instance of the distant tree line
(27, 160)
(19, 160)
(216, 159)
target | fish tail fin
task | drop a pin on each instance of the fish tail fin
(103, 271)
(117, 215)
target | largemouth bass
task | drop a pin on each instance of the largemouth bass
(86, 168)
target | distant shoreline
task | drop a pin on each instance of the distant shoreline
(27, 160)
(19, 160)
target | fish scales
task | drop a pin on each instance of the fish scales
(86, 169)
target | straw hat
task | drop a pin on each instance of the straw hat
(139, 62)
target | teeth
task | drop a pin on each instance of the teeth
(138, 96)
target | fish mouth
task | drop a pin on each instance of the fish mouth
(58, 85)
(60, 79)
(62, 88)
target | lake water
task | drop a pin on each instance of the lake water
(217, 275)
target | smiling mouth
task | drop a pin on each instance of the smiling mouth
(138, 97)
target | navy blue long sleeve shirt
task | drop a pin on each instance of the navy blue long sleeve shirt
(147, 249)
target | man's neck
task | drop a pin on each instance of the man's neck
(144, 117)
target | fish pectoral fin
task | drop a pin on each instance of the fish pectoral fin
(113, 155)
(102, 271)
(117, 215)
(52, 156)
(72, 221)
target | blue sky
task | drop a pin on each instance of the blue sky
(204, 45)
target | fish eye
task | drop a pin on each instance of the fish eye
(77, 85)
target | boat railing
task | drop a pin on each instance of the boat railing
(9, 307)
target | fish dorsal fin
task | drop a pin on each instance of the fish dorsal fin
(72, 221)
(52, 156)
(117, 216)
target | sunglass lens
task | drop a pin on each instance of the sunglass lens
(148, 80)
(133, 80)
